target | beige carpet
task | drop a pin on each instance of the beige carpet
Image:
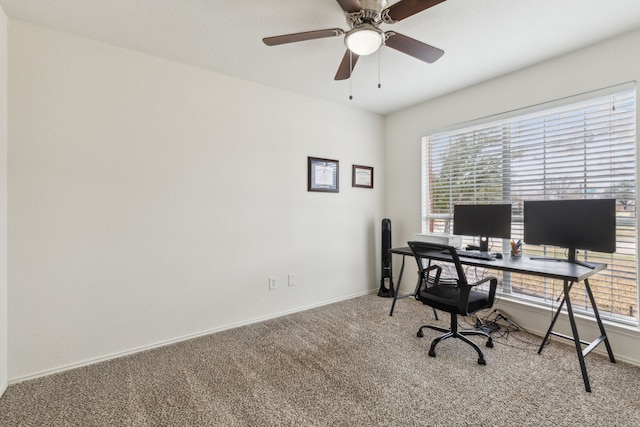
(346, 364)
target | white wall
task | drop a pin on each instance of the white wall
(603, 65)
(3, 202)
(150, 201)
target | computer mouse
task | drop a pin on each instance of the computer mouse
(498, 255)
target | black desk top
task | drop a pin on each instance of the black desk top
(556, 269)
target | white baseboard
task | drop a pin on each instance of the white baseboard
(178, 339)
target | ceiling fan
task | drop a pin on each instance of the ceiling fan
(364, 36)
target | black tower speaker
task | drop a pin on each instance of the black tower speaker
(386, 291)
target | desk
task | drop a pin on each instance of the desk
(568, 272)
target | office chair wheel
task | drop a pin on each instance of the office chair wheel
(481, 361)
(420, 334)
(490, 343)
(432, 353)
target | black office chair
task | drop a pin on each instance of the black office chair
(455, 296)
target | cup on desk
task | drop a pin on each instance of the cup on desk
(516, 248)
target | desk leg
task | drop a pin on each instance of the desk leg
(555, 317)
(574, 330)
(576, 339)
(395, 296)
(603, 334)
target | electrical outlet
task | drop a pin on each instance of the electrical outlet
(292, 279)
(273, 284)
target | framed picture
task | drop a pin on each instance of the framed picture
(323, 175)
(362, 176)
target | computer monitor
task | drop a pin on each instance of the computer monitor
(573, 224)
(483, 221)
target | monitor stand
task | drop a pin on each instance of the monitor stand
(571, 259)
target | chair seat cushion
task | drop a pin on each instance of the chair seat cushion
(446, 298)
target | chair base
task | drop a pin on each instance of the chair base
(457, 334)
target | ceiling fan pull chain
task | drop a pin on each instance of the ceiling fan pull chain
(379, 66)
(350, 72)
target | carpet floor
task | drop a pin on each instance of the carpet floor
(344, 364)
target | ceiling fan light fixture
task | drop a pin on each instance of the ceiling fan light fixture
(364, 40)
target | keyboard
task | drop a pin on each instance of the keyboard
(487, 256)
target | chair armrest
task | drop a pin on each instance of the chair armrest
(426, 271)
(493, 285)
(465, 289)
(434, 267)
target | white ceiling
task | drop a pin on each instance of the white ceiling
(482, 39)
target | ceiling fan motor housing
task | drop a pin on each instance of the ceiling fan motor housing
(370, 13)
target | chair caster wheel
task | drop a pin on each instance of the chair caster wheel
(432, 353)
(481, 361)
(420, 334)
(490, 344)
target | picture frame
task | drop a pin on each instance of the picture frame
(362, 176)
(323, 175)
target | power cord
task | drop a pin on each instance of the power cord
(504, 329)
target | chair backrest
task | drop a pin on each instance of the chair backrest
(423, 250)
(426, 250)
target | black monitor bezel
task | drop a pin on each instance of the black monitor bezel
(565, 221)
(469, 221)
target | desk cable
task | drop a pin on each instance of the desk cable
(501, 335)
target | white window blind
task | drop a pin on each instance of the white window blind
(578, 150)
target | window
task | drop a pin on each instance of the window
(574, 149)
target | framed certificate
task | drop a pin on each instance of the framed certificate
(362, 176)
(323, 175)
